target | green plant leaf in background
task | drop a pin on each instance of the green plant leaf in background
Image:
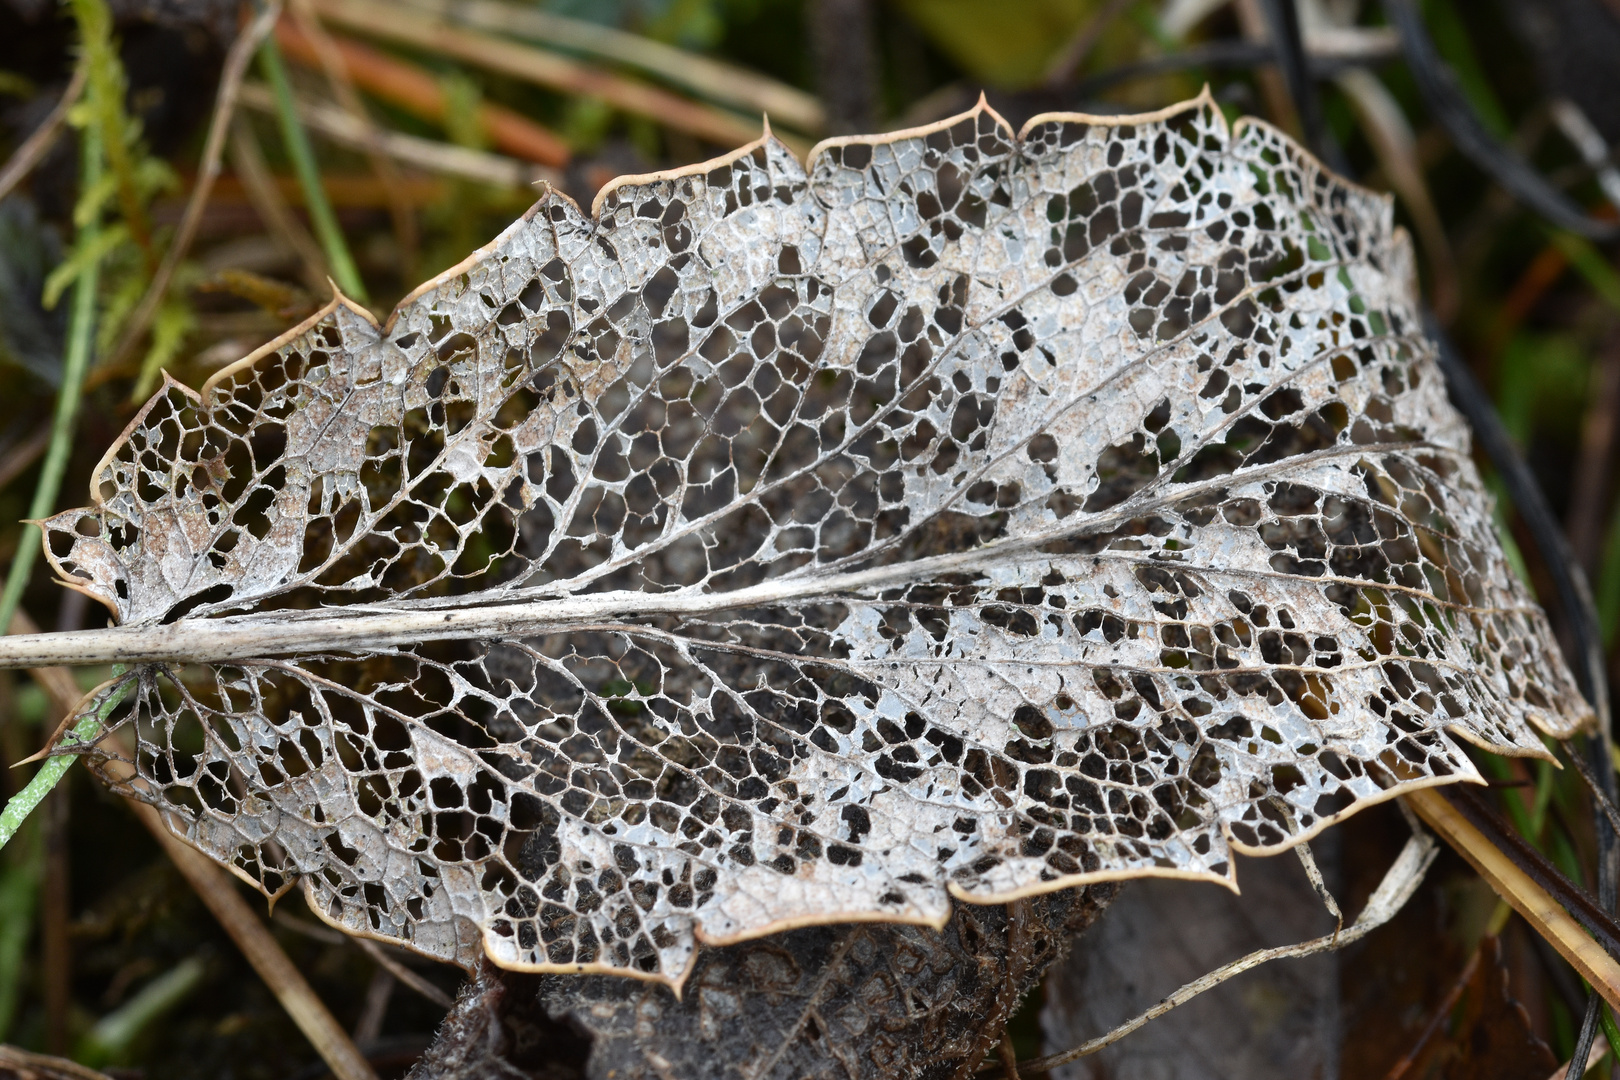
(1541, 378)
(1004, 43)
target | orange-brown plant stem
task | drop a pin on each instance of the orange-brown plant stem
(399, 24)
(1540, 275)
(417, 92)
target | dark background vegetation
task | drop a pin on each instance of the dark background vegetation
(1535, 310)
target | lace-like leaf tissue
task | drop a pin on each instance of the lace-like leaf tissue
(969, 514)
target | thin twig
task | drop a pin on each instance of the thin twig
(24, 453)
(1575, 596)
(1400, 882)
(328, 936)
(57, 682)
(33, 149)
(1218, 54)
(374, 1010)
(1009, 1056)
(1541, 274)
(1018, 917)
(337, 76)
(1308, 861)
(1282, 21)
(1451, 108)
(1593, 786)
(262, 192)
(1562, 1073)
(1581, 1056)
(1394, 144)
(1594, 149)
(19, 1062)
(1252, 19)
(315, 931)
(230, 80)
(404, 974)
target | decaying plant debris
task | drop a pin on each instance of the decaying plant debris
(865, 1000)
(972, 514)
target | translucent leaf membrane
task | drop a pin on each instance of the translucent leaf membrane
(974, 515)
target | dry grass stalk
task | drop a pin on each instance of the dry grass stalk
(20, 1064)
(22, 454)
(428, 154)
(248, 163)
(33, 149)
(1600, 1050)
(215, 888)
(1543, 913)
(418, 92)
(713, 79)
(1396, 888)
(1395, 146)
(405, 975)
(370, 143)
(544, 69)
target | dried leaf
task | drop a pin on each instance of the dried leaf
(858, 1002)
(973, 514)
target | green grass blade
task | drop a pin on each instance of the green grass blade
(309, 178)
(81, 333)
(109, 1041)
